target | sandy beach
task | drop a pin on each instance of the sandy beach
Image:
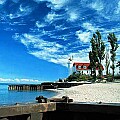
(97, 92)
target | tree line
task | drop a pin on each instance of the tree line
(97, 54)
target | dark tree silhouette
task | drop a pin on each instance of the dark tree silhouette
(114, 45)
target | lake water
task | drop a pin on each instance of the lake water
(11, 97)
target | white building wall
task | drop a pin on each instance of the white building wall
(70, 67)
(117, 70)
(74, 68)
(87, 72)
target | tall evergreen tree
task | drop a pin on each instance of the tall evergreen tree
(114, 45)
(97, 54)
(93, 57)
(100, 50)
(91, 61)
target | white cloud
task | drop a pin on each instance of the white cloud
(97, 5)
(57, 4)
(60, 27)
(83, 36)
(50, 16)
(117, 11)
(2, 2)
(29, 40)
(39, 25)
(54, 4)
(52, 51)
(45, 50)
(22, 11)
(55, 58)
(73, 15)
(18, 80)
(81, 56)
(89, 26)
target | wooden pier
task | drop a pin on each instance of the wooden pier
(42, 86)
(23, 87)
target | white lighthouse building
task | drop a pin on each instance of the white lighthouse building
(70, 65)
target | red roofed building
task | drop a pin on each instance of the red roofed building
(84, 68)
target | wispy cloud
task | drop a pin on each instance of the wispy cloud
(42, 49)
(57, 4)
(54, 4)
(52, 17)
(117, 11)
(89, 26)
(64, 29)
(49, 51)
(40, 25)
(72, 15)
(83, 36)
(81, 56)
(2, 2)
(97, 5)
(18, 80)
(22, 11)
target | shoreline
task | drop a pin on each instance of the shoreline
(96, 92)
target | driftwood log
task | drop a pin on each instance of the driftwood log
(42, 99)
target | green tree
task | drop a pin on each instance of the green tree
(97, 54)
(93, 57)
(91, 61)
(100, 50)
(74, 77)
(114, 45)
(92, 65)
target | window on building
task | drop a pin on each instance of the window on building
(84, 67)
(79, 67)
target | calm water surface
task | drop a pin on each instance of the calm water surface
(12, 97)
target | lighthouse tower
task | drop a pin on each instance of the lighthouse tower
(70, 65)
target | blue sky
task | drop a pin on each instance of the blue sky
(38, 36)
